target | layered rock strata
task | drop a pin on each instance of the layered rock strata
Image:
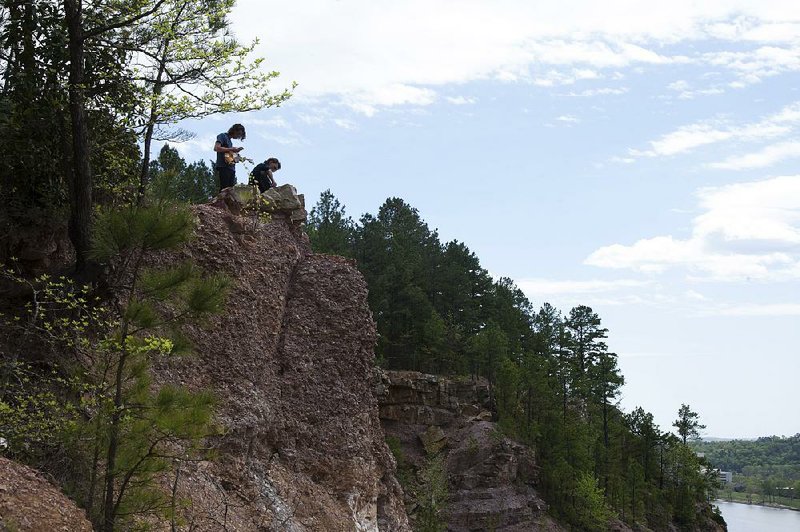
(491, 479)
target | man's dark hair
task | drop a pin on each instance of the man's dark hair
(273, 160)
(237, 127)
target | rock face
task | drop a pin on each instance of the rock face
(37, 249)
(290, 362)
(29, 503)
(491, 479)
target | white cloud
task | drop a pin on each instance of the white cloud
(693, 295)
(746, 231)
(686, 92)
(752, 309)
(689, 137)
(549, 287)
(752, 66)
(312, 119)
(760, 159)
(275, 122)
(191, 149)
(381, 53)
(594, 292)
(680, 85)
(603, 91)
(569, 119)
(684, 139)
(461, 100)
(345, 123)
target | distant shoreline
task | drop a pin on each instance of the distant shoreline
(765, 505)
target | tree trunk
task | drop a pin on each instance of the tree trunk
(113, 445)
(80, 183)
(158, 87)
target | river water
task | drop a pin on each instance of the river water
(751, 518)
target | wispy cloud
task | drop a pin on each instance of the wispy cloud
(345, 123)
(746, 231)
(692, 136)
(766, 157)
(460, 100)
(686, 92)
(549, 287)
(378, 55)
(602, 91)
(569, 119)
(755, 309)
(753, 66)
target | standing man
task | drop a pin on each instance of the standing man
(262, 173)
(226, 155)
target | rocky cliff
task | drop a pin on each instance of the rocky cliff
(490, 479)
(290, 362)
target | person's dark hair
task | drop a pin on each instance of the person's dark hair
(237, 127)
(274, 160)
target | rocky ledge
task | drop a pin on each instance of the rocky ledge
(491, 479)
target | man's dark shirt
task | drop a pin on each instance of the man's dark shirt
(225, 141)
(261, 174)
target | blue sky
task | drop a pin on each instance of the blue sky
(641, 160)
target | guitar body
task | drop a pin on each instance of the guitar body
(232, 158)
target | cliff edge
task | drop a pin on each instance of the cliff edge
(290, 362)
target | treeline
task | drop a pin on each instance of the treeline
(765, 456)
(768, 466)
(554, 380)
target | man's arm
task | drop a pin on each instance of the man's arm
(219, 148)
(271, 179)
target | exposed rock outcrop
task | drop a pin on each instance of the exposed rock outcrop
(491, 479)
(290, 362)
(28, 503)
(37, 249)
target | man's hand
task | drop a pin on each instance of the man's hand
(238, 149)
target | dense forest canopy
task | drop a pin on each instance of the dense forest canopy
(553, 378)
(772, 456)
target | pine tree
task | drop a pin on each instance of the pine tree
(329, 228)
(688, 424)
(137, 423)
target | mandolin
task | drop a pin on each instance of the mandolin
(232, 158)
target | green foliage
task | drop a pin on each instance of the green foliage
(136, 229)
(430, 496)
(32, 414)
(763, 457)
(553, 380)
(34, 116)
(765, 470)
(119, 432)
(592, 512)
(190, 66)
(171, 177)
(193, 67)
(687, 424)
(144, 423)
(256, 205)
(329, 230)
